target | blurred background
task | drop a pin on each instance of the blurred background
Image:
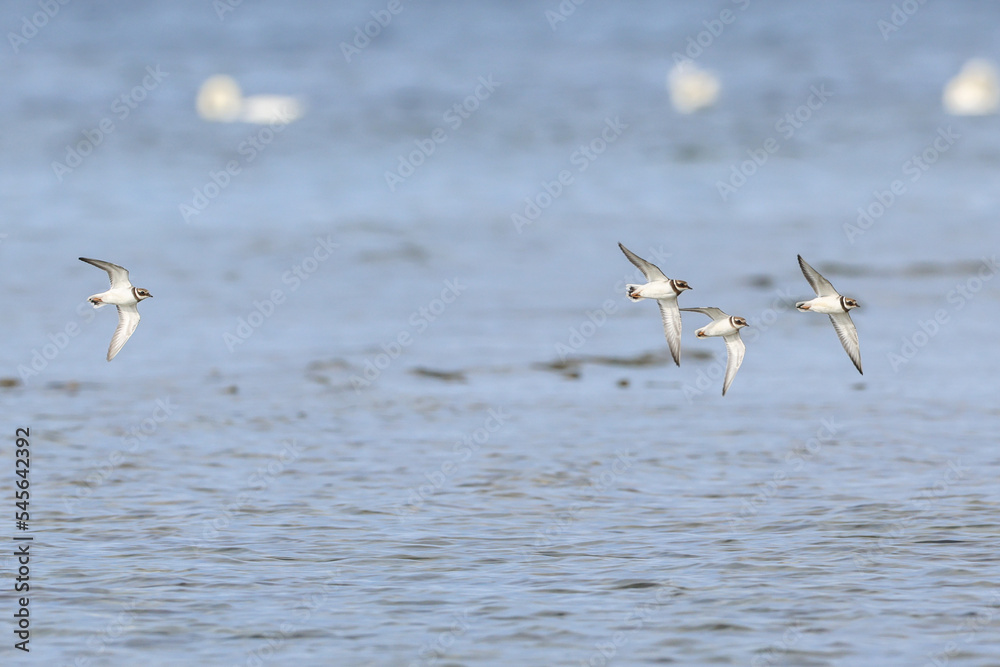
(389, 404)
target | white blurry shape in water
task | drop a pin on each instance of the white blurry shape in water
(974, 91)
(692, 88)
(220, 99)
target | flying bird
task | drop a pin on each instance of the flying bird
(123, 295)
(830, 302)
(727, 326)
(665, 291)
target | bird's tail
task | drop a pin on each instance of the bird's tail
(632, 291)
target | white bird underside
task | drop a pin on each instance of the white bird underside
(721, 326)
(663, 290)
(123, 295)
(830, 302)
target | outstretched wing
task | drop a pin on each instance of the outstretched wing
(128, 320)
(820, 285)
(671, 326)
(735, 349)
(118, 274)
(651, 271)
(714, 313)
(848, 334)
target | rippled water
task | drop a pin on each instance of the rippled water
(371, 426)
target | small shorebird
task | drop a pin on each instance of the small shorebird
(123, 295)
(727, 326)
(830, 302)
(665, 291)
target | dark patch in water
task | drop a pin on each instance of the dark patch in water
(572, 367)
(447, 376)
(915, 269)
(761, 281)
(636, 584)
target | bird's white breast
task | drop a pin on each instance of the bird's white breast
(657, 290)
(717, 328)
(119, 297)
(826, 304)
